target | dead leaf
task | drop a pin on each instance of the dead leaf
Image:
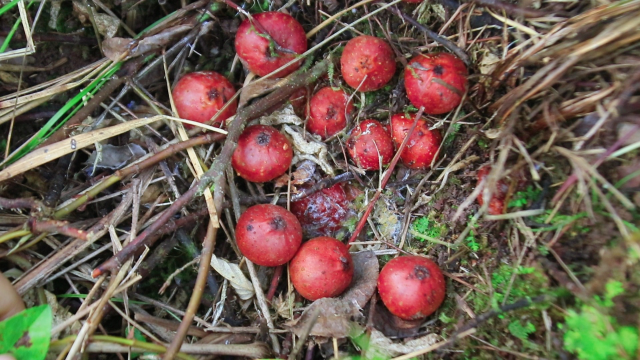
(311, 149)
(286, 115)
(115, 47)
(255, 89)
(381, 346)
(237, 279)
(337, 314)
(302, 175)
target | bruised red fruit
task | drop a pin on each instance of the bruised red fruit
(411, 287)
(367, 141)
(268, 235)
(367, 56)
(422, 145)
(262, 58)
(327, 110)
(322, 268)
(323, 212)
(496, 204)
(262, 154)
(198, 96)
(436, 81)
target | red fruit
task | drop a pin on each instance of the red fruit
(323, 212)
(257, 54)
(367, 141)
(367, 56)
(198, 96)
(436, 81)
(268, 235)
(327, 112)
(411, 287)
(422, 145)
(496, 204)
(322, 268)
(262, 154)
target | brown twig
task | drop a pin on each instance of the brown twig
(274, 282)
(385, 179)
(433, 35)
(21, 203)
(56, 226)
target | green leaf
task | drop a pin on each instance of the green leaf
(26, 335)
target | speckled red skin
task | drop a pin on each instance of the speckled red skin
(496, 204)
(367, 140)
(324, 212)
(370, 56)
(268, 235)
(422, 145)
(424, 90)
(327, 112)
(322, 268)
(262, 154)
(411, 287)
(199, 95)
(254, 51)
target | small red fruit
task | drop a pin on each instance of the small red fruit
(436, 81)
(262, 154)
(411, 287)
(323, 212)
(268, 235)
(327, 110)
(198, 96)
(367, 141)
(496, 204)
(322, 268)
(422, 145)
(367, 56)
(261, 57)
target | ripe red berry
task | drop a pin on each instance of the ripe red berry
(411, 287)
(369, 140)
(496, 204)
(327, 110)
(262, 154)
(259, 55)
(422, 145)
(322, 213)
(198, 96)
(322, 268)
(268, 235)
(367, 56)
(436, 81)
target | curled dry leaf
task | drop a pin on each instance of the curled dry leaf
(313, 150)
(302, 175)
(255, 89)
(107, 25)
(285, 116)
(337, 314)
(114, 47)
(381, 346)
(237, 279)
(114, 157)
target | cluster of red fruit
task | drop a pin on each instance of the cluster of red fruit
(410, 286)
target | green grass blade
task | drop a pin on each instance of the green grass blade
(8, 7)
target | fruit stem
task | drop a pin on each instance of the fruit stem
(385, 179)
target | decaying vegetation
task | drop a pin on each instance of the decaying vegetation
(123, 221)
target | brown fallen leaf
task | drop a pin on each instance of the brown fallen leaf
(337, 314)
(255, 89)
